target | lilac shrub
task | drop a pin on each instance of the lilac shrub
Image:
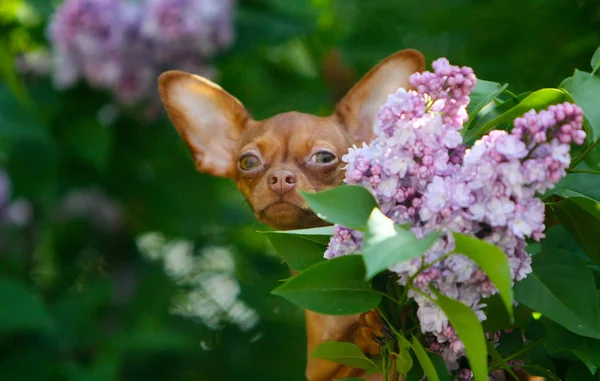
(421, 173)
(121, 46)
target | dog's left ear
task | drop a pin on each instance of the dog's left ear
(358, 109)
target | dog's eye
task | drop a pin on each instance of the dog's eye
(323, 157)
(249, 162)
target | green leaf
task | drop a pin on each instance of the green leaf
(350, 379)
(322, 231)
(416, 372)
(578, 372)
(347, 205)
(550, 290)
(497, 316)
(558, 237)
(440, 366)
(579, 185)
(332, 287)
(537, 100)
(491, 112)
(343, 353)
(404, 361)
(584, 89)
(469, 330)
(511, 342)
(386, 244)
(21, 309)
(596, 61)
(425, 360)
(492, 261)
(539, 370)
(581, 224)
(320, 235)
(585, 348)
(483, 93)
(497, 358)
(298, 252)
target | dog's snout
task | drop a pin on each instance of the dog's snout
(282, 181)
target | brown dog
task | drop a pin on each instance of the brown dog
(270, 159)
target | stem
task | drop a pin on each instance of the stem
(584, 171)
(510, 93)
(526, 349)
(389, 297)
(531, 151)
(422, 294)
(583, 154)
(423, 268)
(384, 363)
(387, 321)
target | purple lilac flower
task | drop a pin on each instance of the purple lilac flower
(4, 188)
(12, 212)
(121, 46)
(421, 173)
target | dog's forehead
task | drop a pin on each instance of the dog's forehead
(297, 123)
(295, 127)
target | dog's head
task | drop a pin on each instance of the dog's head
(272, 158)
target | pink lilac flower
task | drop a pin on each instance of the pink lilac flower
(421, 173)
(121, 46)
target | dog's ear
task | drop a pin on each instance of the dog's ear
(358, 109)
(208, 119)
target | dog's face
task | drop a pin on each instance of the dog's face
(272, 158)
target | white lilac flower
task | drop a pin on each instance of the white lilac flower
(211, 289)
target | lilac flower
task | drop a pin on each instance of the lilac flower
(421, 173)
(4, 188)
(344, 242)
(121, 46)
(17, 212)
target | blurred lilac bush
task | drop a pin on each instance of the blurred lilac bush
(121, 46)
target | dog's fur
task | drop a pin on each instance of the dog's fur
(287, 152)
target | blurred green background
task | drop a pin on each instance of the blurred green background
(118, 261)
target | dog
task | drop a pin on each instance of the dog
(270, 159)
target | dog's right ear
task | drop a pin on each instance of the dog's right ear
(358, 109)
(208, 119)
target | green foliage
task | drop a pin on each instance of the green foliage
(549, 290)
(585, 349)
(426, 363)
(349, 206)
(298, 251)
(483, 94)
(334, 287)
(538, 100)
(492, 261)
(386, 244)
(343, 353)
(581, 218)
(469, 330)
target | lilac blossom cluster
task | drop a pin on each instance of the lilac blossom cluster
(121, 46)
(421, 173)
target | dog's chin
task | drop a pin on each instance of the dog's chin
(286, 216)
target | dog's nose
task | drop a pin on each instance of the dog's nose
(282, 181)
